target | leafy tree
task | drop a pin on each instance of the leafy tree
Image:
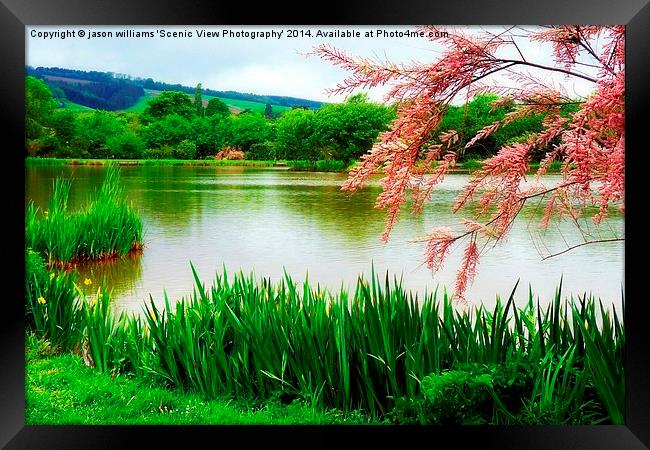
(170, 130)
(198, 101)
(126, 145)
(168, 103)
(294, 136)
(217, 107)
(348, 130)
(472, 117)
(205, 133)
(248, 129)
(64, 123)
(185, 149)
(268, 111)
(591, 140)
(94, 129)
(39, 106)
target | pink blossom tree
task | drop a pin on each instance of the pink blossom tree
(589, 142)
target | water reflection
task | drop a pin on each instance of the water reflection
(265, 219)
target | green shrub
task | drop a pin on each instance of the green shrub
(125, 146)
(164, 152)
(330, 165)
(261, 151)
(186, 149)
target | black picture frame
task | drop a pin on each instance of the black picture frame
(16, 14)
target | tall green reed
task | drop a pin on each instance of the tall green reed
(363, 351)
(107, 226)
(52, 308)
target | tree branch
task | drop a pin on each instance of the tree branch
(597, 241)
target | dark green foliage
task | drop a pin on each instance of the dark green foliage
(111, 96)
(206, 135)
(168, 103)
(348, 130)
(170, 130)
(64, 126)
(39, 105)
(198, 101)
(185, 149)
(164, 152)
(248, 129)
(217, 108)
(294, 133)
(456, 396)
(94, 129)
(261, 151)
(125, 146)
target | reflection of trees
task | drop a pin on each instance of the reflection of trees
(119, 274)
(85, 180)
(350, 217)
(175, 196)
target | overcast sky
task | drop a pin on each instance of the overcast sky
(262, 66)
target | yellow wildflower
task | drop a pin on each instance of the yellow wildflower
(88, 281)
(41, 300)
(52, 276)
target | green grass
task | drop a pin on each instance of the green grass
(144, 162)
(60, 389)
(318, 166)
(107, 226)
(142, 102)
(240, 105)
(379, 352)
(74, 106)
(53, 309)
(370, 349)
(246, 104)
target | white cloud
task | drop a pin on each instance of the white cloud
(260, 66)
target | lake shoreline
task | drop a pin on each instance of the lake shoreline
(464, 167)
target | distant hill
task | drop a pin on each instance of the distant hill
(113, 92)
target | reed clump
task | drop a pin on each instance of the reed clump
(107, 226)
(381, 350)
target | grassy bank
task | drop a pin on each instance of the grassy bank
(60, 389)
(108, 226)
(145, 162)
(379, 350)
(465, 167)
(318, 166)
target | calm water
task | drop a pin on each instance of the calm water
(269, 219)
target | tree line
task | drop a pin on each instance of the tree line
(174, 125)
(136, 84)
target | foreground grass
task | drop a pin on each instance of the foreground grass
(380, 350)
(60, 390)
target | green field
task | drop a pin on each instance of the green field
(236, 106)
(74, 106)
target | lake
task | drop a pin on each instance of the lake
(268, 220)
